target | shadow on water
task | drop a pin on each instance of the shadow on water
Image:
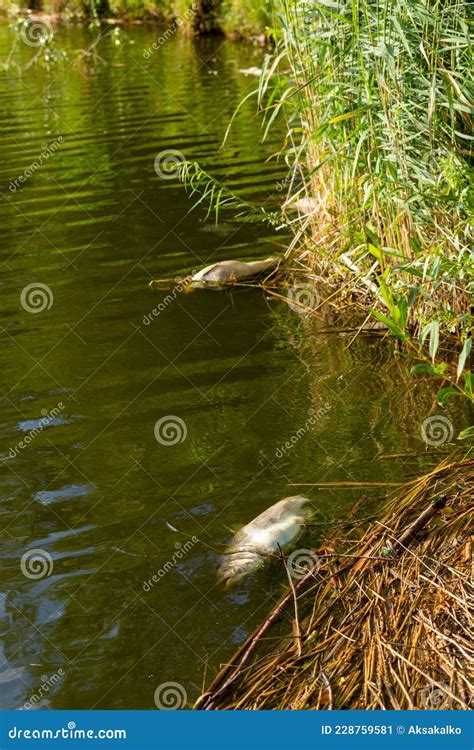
(119, 596)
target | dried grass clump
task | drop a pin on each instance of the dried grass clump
(385, 622)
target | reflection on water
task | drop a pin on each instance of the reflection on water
(111, 528)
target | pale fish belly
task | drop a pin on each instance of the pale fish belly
(280, 535)
(254, 544)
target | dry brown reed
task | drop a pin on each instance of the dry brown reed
(384, 622)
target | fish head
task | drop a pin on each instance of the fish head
(237, 565)
(299, 504)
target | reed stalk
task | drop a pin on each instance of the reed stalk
(381, 621)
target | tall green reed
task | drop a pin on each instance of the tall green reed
(378, 97)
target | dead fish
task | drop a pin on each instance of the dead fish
(277, 528)
(305, 206)
(254, 71)
(232, 271)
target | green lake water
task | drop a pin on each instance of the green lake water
(259, 400)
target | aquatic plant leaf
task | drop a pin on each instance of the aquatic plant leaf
(445, 393)
(434, 339)
(467, 433)
(346, 115)
(422, 369)
(466, 350)
(391, 324)
(468, 383)
(431, 330)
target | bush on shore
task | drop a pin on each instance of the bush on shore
(379, 101)
(234, 17)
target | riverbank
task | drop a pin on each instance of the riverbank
(377, 618)
(236, 19)
(379, 192)
(380, 188)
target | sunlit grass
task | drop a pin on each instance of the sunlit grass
(378, 98)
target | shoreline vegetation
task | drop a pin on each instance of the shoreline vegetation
(378, 104)
(379, 617)
(236, 19)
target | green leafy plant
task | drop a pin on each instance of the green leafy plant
(378, 97)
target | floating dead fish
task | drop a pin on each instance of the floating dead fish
(254, 71)
(218, 275)
(277, 528)
(306, 206)
(229, 272)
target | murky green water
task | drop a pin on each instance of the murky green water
(91, 487)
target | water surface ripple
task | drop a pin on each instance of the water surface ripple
(122, 599)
